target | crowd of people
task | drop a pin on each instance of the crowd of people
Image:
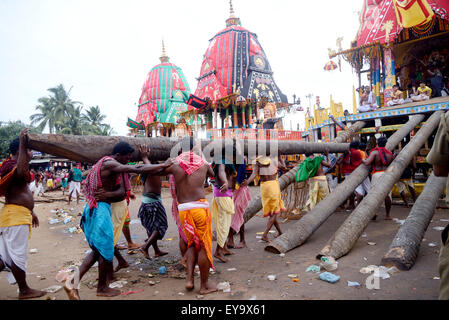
(107, 191)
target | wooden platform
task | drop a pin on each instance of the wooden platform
(440, 103)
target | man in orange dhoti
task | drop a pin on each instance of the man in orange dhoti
(190, 171)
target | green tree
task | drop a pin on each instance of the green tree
(73, 122)
(8, 132)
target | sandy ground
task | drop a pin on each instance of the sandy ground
(250, 267)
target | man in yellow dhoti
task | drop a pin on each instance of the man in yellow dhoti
(222, 207)
(270, 190)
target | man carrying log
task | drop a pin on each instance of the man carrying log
(152, 212)
(190, 171)
(222, 204)
(380, 158)
(96, 221)
(17, 216)
(439, 158)
(270, 191)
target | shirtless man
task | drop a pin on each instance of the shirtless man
(270, 191)
(96, 221)
(380, 158)
(190, 171)
(152, 212)
(222, 205)
(17, 216)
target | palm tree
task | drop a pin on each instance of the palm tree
(73, 123)
(106, 130)
(46, 115)
(61, 102)
(93, 116)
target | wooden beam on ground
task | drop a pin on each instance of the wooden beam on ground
(301, 230)
(404, 249)
(348, 233)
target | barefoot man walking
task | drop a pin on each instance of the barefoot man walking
(190, 171)
(17, 216)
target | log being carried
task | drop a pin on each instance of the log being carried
(348, 233)
(404, 249)
(89, 149)
(304, 228)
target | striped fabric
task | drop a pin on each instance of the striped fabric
(153, 218)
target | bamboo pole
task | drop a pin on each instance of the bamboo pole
(304, 228)
(404, 249)
(348, 233)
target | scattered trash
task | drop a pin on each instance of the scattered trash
(152, 283)
(118, 284)
(53, 221)
(63, 274)
(72, 230)
(364, 258)
(253, 298)
(67, 220)
(169, 239)
(162, 270)
(224, 286)
(438, 228)
(295, 280)
(444, 220)
(432, 244)
(293, 276)
(368, 269)
(181, 293)
(259, 233)
(131, 292)
(353, 284)
(52, 289)
(232, 269)
(259, 237)
(364, 235)
(199, 296)
(313, 268)
(282, 255)
(329, 263)
(371, 243)
(329, 277)
(401, 222)
(272, 277)
(436, 278)
(33, 250)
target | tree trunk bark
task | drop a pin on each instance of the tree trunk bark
(255, 204)
(348, 233)
(304, 228)
(404, 249)
(89, 149)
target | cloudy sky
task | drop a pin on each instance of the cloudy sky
(104, 49)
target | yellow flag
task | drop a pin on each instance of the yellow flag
(410, 13)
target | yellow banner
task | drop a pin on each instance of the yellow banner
(410, 13)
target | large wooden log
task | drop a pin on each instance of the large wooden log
(286, 179)
(348, 233)
(404, 249)
(301, 230)
(89, 149)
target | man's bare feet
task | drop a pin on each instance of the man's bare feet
(107, 292)
(73, 294)
(121, 247)
(190, 285)
(277, 235)
(133, 246)
(240, 245)
(160, 254)
(208, 289)
(227, 252)
(121, 266)
(145, 253)
(265, 238)
(221, 258)
(31, 294)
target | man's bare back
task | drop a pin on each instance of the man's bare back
(190, 187)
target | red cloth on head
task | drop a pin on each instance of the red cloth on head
(190, 162)
(351, 161)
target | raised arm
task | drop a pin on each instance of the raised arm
(23, 167)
